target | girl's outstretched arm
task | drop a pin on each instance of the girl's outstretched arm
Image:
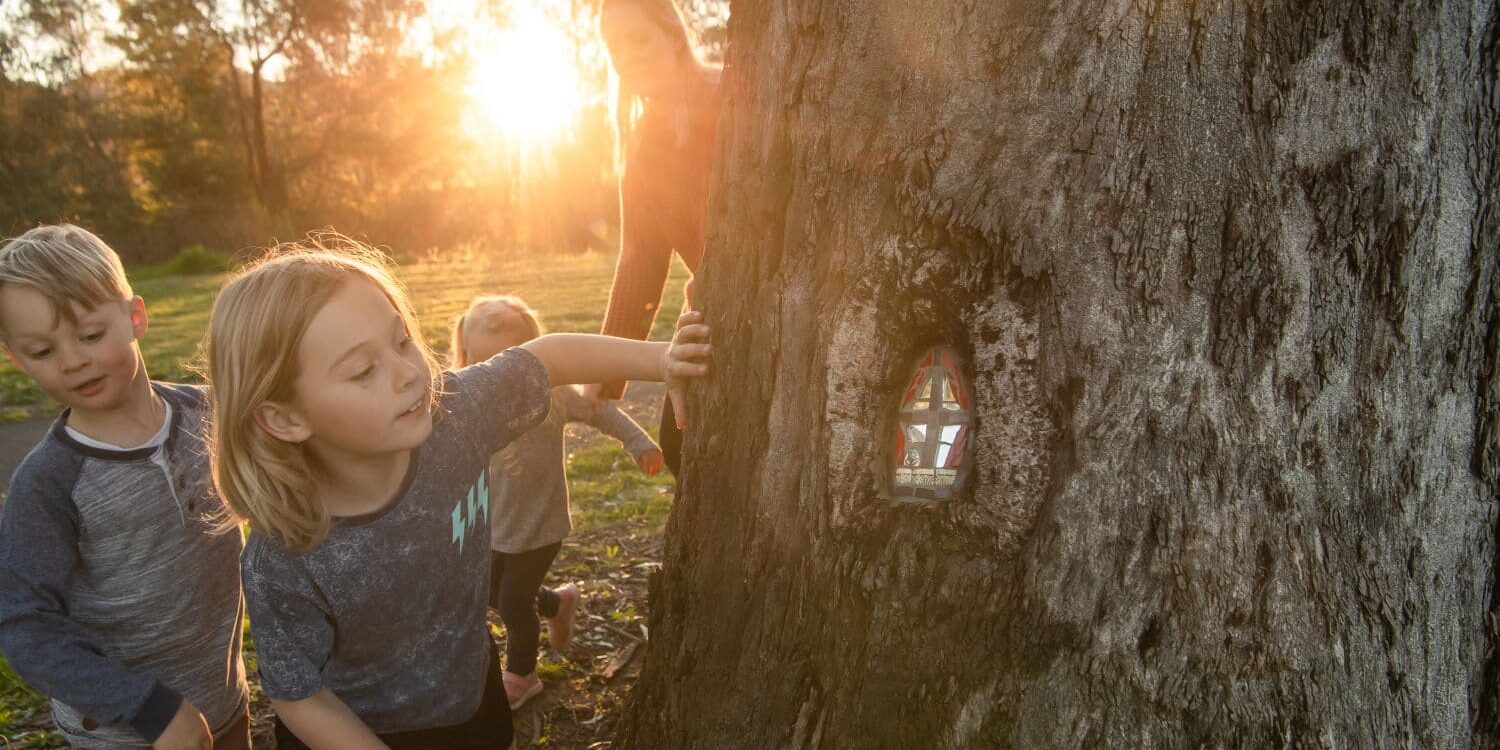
(325, 721)
(586, 358)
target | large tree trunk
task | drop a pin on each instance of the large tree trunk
(1225, 275)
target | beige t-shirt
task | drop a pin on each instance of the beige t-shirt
(528, 478)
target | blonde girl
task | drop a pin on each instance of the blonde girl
(529, 494)
(362, 473)
(667, 113)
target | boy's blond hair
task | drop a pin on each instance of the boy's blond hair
(68, 264)
(254, 331)
(458, 354)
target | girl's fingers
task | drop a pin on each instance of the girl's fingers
(695, 331)
(686, 369)
(691, 351)
(679, 406)
(686, 360)
(689, 317)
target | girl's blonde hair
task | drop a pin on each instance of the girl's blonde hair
(254, 331)
(624, 103)
(458, 353)
(667, 16)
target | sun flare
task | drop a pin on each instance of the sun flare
(524, 81)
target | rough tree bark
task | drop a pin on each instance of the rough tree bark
(1226, 277)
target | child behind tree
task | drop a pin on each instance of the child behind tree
(529, 494)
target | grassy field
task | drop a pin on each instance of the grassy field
(618, 512)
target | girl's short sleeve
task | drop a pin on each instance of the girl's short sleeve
(291, 625)
(501, 398)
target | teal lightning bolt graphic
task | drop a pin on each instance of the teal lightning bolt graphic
(477, 503)
(459, 526)
(473, 506)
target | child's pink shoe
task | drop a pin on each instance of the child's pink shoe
(560, 625)
(520, 689)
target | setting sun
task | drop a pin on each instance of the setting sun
(524, 80)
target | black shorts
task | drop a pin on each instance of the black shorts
(488, 729)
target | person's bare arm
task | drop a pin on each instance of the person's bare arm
(613, 421)
(587, 358)
(324, 721)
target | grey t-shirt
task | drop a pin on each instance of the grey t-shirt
(117, 597)
(529, 477)
(388, 612)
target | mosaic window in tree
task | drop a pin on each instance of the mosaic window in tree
(934, 429)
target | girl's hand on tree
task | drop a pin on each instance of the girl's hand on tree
(188, 730)
(686, 357)
(652, 462)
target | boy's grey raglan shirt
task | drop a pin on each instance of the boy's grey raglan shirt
(529, 480)
(388, 612)
(117, 599)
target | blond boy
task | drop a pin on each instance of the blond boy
(117, 597)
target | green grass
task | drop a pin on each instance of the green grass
(570, 292)
(608, 489)
(193, 260)
(19, 705)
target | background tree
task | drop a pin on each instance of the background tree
(1225, 275)
(58, 154)
(168, 123)
(184, 138)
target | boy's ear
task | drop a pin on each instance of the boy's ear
(139, 321)
(282, 422)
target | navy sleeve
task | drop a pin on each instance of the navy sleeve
(46, 647)
(290, 623)
(502, 397)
